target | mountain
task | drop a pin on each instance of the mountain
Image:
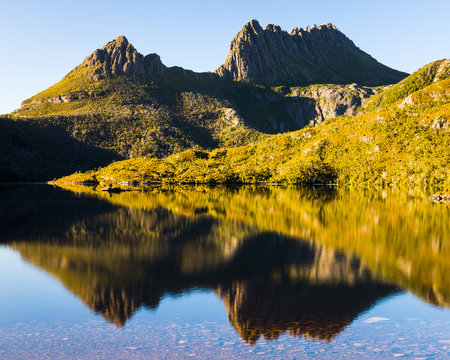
(130, 105)
(406, 142)
(320, 54)
(121, 104)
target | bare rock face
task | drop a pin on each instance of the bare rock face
(443, 71)
(153, 65)
(318, 103)
(117, 57)
(320, 54)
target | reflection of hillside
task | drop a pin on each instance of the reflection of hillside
(32, 211)
(400, 235)
(269, 283)
(120, 261)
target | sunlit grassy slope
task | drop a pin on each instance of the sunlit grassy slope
(428, 75)
(137, 116)
(404, 139)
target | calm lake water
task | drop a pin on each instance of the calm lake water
(248, 272)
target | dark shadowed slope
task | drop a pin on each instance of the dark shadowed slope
(30, 152)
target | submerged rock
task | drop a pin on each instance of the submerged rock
(113, 189)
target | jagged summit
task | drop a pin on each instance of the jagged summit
(317, 54)
(255, 27)
(92, 77)
(252, 25)
(119, 57)
(327, 26)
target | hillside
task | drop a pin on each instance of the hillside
(421, 79)
(119, 100)
(406, 143)
(317, 54)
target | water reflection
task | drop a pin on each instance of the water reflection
(297, 260)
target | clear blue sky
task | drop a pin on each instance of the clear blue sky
(43, 40)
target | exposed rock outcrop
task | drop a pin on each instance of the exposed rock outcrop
(117, 57)
(320, 54)
(318, 103)
(153, 65)
(64, 98)
(443, 70)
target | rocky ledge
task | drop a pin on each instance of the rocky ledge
(65, 98)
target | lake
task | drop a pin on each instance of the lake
(223, 272)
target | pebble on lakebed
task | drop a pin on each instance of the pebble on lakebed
(440, 198)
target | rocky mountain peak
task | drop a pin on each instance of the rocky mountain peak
(120, 41)
(273, 28)
(316, 54)
(252, 26)
(117, 57)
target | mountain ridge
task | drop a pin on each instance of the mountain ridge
(304, 47)
(317, 54)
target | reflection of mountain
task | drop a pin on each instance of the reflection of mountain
(288, 285)
(314, 311)
(269, 283)
(271, 254)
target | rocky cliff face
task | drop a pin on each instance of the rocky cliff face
(320, 54)
(117, 57)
